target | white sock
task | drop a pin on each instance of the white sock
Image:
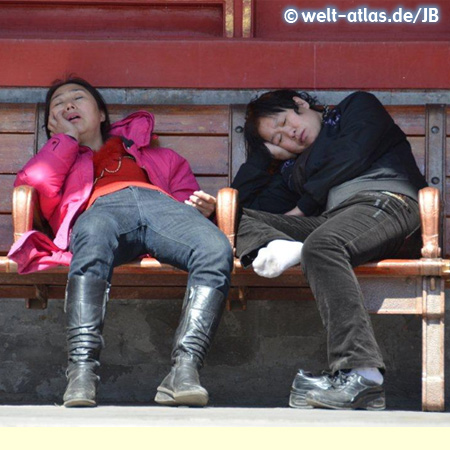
(370, 373)
(278, 256)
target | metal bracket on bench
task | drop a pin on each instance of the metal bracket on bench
(41, 299)
(241, 303)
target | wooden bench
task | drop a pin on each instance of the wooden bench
(211, 138)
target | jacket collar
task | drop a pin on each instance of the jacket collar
(137, 128)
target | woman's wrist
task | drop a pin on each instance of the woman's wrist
(72, 135)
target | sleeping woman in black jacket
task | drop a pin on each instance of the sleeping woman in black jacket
(330, 189)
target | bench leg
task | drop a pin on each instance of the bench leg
(40, 301)
(433, 344)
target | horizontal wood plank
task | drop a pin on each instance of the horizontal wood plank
(17, 118)
(15, 151)
(205, 154)
(6, 233)
(211, 185)
(185, 119)
(6, 188)
(411, 119)
(418, 149)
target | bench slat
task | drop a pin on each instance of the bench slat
(17, 118)
(15, 151)
(211, 185)
(190, 119)
(418, 149)
(6, 233)
(206, 154)
(411, 119)
(6, 189)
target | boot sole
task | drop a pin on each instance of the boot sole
(370, 403)
(183, 398)
(80, 402)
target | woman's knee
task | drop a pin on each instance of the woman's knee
(93, 230)
(315, 250)
(217, 246)
(222, 246)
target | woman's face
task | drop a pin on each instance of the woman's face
(289, 133)
(75, 104)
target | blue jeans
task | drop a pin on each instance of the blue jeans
(369, 226)
(126, 224)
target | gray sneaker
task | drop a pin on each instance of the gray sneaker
(349, 391)
(305, 382)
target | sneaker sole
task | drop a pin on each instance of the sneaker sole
(371, 403)
(297, 400)
(186, 398)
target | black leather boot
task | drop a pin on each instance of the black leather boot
(85, 307)
(200, 317)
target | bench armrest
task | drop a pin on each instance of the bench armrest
(429, 204)
(226, 213)
(25, 211)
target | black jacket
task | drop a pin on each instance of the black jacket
(359, 148)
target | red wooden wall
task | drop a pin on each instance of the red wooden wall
(224, 44)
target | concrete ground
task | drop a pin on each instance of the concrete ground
(154, 416)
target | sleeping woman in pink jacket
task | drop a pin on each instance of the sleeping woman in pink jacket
(109, 198)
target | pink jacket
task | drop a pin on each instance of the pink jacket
(62, 173)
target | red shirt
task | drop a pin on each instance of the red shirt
(115, 169)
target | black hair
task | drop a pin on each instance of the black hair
(104, 126)
(267, 105)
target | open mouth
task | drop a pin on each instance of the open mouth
(73, 117)
(302, 137)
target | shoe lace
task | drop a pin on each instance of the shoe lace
(339, 378)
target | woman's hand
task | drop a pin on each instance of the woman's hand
(279, 153)
(58, 124)
(295, 212)
(202, 201)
